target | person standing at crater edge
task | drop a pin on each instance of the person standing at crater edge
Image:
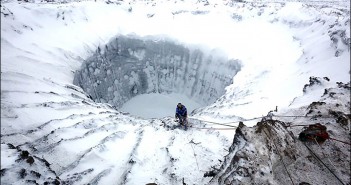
(182, 115)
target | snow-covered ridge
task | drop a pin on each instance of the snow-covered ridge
(271, 153)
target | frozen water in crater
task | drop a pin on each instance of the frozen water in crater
(157, 105)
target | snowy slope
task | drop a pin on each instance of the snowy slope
(71, 138)
(51, 131)
(276, 76)
(271, 153)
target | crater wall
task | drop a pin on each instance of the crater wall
(130, 66)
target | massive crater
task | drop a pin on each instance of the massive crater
(128, 66)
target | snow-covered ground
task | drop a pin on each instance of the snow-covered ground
(52, 131)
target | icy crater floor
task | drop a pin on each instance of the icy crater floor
(158, 105)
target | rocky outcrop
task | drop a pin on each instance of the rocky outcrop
(271, 153)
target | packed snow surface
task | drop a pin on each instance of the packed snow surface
(254, 57)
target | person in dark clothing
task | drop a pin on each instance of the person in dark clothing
(182, 115)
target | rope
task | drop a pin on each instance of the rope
(296, 126)
(195, 156)
(315, 156)
(226, 124)
(191, 144)
(340, 141)
(281, 158)
(301, 116)
(290, 116)
(234, 127)
(324, 154)
(231, 122)
(215, 128)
